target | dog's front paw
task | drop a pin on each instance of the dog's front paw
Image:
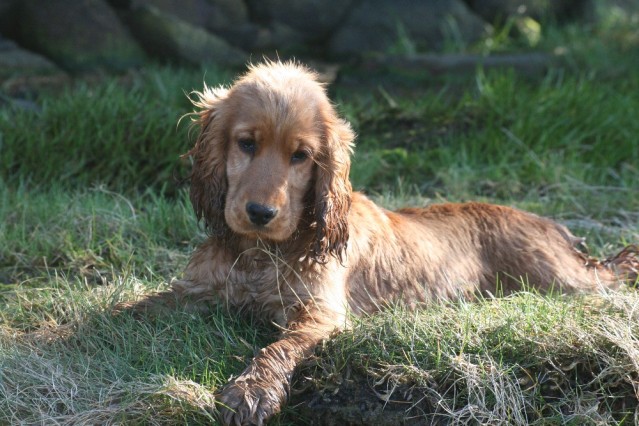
(247, 402)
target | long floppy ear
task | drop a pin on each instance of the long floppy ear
(208, 175)
(333, 189)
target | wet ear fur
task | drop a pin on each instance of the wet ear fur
(333, 189)
(208, 174)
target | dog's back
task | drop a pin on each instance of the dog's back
(460, 250)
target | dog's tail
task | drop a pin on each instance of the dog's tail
(625, 264)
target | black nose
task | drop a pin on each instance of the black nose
(260, 214)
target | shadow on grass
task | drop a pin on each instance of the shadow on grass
(67, 358)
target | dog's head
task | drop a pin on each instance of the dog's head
(272, 155)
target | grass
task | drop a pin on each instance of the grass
(486, 135)
(124, 133)
(94, 211)
(525, 359)
(92, 232)
(67, 359)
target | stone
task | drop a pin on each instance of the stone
(22, 72)
(629, 8)
(77, 35)
(315, 19)
(279, 37)
(8, 19)
(382, 25)
(529, 64)
(15, 61)
(5, 7)
(497, 11)
(172, 39)
(213, 15)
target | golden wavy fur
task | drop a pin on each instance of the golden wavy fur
(289, 238)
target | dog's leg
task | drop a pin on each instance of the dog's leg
(625, 264)
(261, 390)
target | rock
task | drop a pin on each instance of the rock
(20, 104)
(22, 71)
(7, 20)
(275, 38)
(526, 64)
(278, 37)
(314, 19)
(7, 7)
(77, 35)
(15, 61)
(172, 39)
(629, 8)
(213, 15)
(496, 11)
(380, 25)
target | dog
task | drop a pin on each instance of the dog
(290, 239)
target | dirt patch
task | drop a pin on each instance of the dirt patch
(358, 401)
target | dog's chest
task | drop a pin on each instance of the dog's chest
(255, 278)
(265, 284)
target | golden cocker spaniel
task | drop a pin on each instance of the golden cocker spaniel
(290, 239)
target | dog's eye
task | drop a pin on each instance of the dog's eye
(247, 145)
(298, 157)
